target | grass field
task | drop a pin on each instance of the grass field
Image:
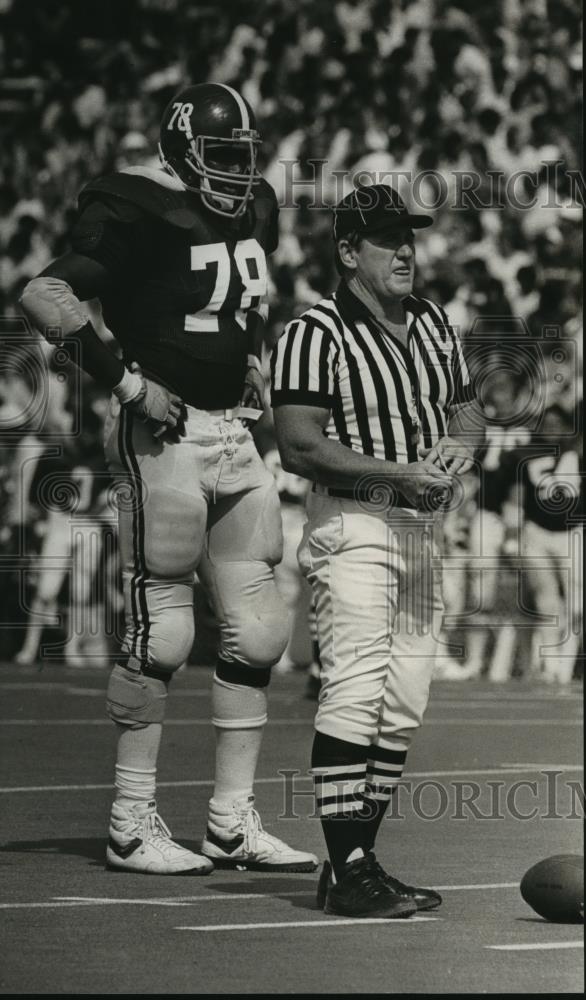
(68, 926)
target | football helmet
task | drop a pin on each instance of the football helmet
(209, 141)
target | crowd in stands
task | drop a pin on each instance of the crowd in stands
(451, 98)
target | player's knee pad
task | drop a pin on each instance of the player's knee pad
(263, 640)
(134, 699)
(264, 633)
(164, 635)
(173, 543)
(170, 641)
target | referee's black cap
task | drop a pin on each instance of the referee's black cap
(374, 208)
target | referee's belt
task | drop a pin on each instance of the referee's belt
(379, 495)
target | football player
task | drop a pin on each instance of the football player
(68, 494)
(547, 487)
(177, 257)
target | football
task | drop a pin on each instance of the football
(554, 888)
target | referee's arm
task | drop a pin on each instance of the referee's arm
(307, 452)
(466, 418)
(302, 368)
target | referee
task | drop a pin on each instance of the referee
(373, 403)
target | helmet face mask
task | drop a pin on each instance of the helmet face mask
(218, 162)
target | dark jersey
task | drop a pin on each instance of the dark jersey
(552, 491)
(496, 465)
(184, 280)
(552, 484)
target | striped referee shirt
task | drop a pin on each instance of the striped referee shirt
(385, 398)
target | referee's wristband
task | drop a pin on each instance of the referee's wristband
(253, 362)
(130, 386)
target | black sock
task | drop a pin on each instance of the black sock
(383, 770)
(339, 769)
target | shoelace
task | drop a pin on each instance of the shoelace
(155, 830)
(252, 828)
(394, 883)
(370, 877)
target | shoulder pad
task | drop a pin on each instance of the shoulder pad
(146, 190)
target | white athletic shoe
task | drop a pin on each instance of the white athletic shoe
(235, 839)
(452, 670)
(141, 842)
(24, 658)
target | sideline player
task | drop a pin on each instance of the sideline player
(547, 491)
(374, 404)
(177, 257)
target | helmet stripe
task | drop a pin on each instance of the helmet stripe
(241, 105)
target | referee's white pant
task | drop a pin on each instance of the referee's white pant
(377, 587)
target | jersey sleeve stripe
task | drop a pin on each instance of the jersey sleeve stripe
(283, 356)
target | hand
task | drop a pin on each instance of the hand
(419, 479)
(450, 455)
(254, 390)
(161, 409)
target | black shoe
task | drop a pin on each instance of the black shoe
(424, 899)
(362, 891)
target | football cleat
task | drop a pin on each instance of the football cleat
(235, 838)
(424, 899)
(362, 891)
(141, 842)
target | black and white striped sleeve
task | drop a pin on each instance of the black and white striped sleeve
(303, 365)
(464, 389)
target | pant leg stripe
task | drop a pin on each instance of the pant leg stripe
(140, 583)
(124, 461)
(137, 589)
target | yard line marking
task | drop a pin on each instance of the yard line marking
(490, 699)
(505, 722)
(59, 901)
(41, 906)
(541, 946)
(231, 896)
(308, 923)
(460, 721)
(205, 782)
(531, 765)
(65, 902)
(478, 885)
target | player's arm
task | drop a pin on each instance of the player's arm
(254, 383)
(53, 302)
(256, 319)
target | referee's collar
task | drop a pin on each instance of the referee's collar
(351, 307)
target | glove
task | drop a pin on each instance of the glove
(161, 409)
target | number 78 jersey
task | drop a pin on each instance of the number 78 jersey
(182, 280)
